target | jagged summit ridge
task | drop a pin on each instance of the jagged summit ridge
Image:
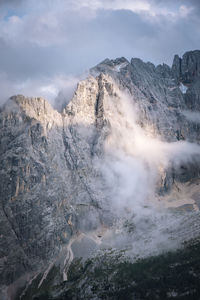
(187, 68)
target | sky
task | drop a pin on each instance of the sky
(47, 45)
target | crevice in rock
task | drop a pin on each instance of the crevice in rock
(74, 165)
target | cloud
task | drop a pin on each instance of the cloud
(131, 172)
(133, 167)
(152, 8)
(192, 116)
(57, 90)
(11, 2)
(60, 37)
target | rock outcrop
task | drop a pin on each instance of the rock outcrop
(187, 71)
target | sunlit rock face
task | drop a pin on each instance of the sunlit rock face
(121, 144)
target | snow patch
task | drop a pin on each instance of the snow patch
(172, 88)
(118, 68)
(183, 88)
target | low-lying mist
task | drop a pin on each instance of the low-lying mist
(192, 116)
(133, 167)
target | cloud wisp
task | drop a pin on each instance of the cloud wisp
(134, 159)
(192, 116)
(57, 90)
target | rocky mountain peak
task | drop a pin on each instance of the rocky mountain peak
(67, 178)
(33, 108)
(187, 68)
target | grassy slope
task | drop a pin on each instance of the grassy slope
(175, 275)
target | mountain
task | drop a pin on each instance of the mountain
(118, 167)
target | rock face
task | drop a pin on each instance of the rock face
(187, 71)
(187, 68)
(51, 185)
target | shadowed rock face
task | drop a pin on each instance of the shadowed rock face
(187, 71)
(187, 68)
(51, 188)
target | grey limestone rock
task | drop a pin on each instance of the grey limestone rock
(187, 71)
(51, 189)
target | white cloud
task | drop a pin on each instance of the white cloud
(135, 160)
(43, 30)
(12, 29)
(53, 23)
(185, 10)
(67, 37)
(56, 89)
(192, 116)
(141, 7)
(44, 20)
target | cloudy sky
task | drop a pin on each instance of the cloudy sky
(45, 45)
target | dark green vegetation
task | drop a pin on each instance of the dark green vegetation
(175, 275)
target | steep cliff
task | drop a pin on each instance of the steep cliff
(187, 71)
(123, 149)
